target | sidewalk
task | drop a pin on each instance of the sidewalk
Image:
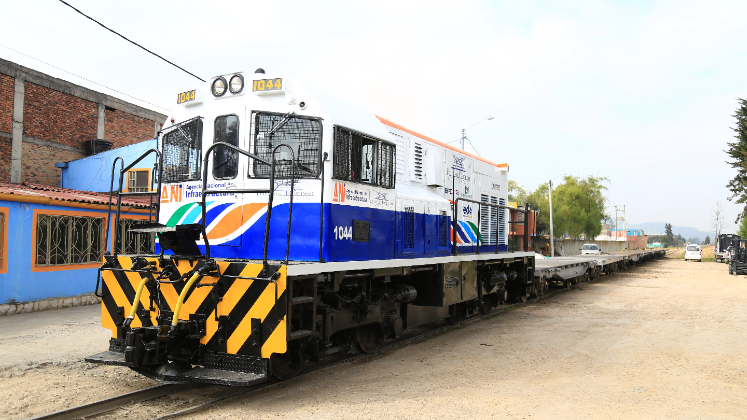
(56, 336)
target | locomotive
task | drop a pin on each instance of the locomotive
(303, 227)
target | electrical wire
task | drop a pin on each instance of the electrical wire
(88, 80)
(130, 41)
(473, 147)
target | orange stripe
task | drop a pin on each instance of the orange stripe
(432, 140)
(234, 219)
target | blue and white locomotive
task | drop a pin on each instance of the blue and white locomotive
(292, 226)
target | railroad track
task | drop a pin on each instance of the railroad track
(113, 403)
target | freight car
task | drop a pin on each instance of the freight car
(292, 226)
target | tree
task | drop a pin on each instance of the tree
(516, 192)
(668, 232)
(539, 200)
(707, 240)
(737, 151)
(717, 218)
(742, 231)
(666, 241)
(578, 206)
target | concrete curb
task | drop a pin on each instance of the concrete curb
(49, 304)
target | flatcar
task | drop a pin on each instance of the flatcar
(292, 226)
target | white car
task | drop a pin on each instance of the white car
(590, 249)
(693, 252)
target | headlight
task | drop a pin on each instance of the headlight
(236, 85)
(219, 86)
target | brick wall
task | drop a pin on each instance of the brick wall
(38, 163)
(122, 128)
(5, 158)
(6, 104)
(54, 116)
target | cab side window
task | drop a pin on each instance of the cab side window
(225, 160)
(362, 158)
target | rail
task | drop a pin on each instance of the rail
(454, 222)
(120, 194)
(270, 191)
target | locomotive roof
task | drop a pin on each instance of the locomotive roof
(432, 140)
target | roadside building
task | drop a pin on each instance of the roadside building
(45, 120)
(52, 239)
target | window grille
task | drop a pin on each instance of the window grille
(408, 227)
(494, 220)
(226, 161)
(418, 161)
(137, 181)
(443, 228)
(135, 243)
(62, 240)
(182, 152)
(302, 134)
(387, 162)
(355, 158)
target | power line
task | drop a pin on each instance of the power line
(133, 42)
(88, 80)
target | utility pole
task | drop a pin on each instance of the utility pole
(463, 137)
(552, 235)
(616, 232)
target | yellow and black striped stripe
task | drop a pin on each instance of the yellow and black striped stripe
(242, 300)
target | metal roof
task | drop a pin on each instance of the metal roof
(28, 189)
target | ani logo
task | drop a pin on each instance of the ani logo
(380, 196)
(175, 196)
(458, 164)
(339, 195)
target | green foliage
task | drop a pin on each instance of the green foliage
(668, 232)
(516, 193)
(737, 151)
(742, 231)
(539, 200)
(707, 240)
(666, 241)
(578, 206)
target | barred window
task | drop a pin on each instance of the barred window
(182, 152)
(362, 158)
(302, 134)
(135, 243)
(226, 162)
(63, 240)
(408, 227)
(387, 159)
(137, 181)
(443, 229)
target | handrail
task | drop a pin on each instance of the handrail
(122, 171)
(455, 250)
(109, 212)
(290, 209)
(206, 192)
(268, 214)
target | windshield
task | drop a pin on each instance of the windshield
(693, 248)
(302, 134)
(591, 247)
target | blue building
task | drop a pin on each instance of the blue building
(93, 173)
(52, 240)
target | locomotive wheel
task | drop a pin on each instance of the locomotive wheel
(369, 338)
(288, 365)
(521, 298)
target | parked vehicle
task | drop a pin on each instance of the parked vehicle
(721, 246)
(590, 249)
(693, 252)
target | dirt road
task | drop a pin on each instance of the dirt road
(665, 340)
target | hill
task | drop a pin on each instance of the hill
(686, 232)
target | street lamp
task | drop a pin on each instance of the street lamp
(464, 136)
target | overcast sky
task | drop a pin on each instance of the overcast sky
(640, 92)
